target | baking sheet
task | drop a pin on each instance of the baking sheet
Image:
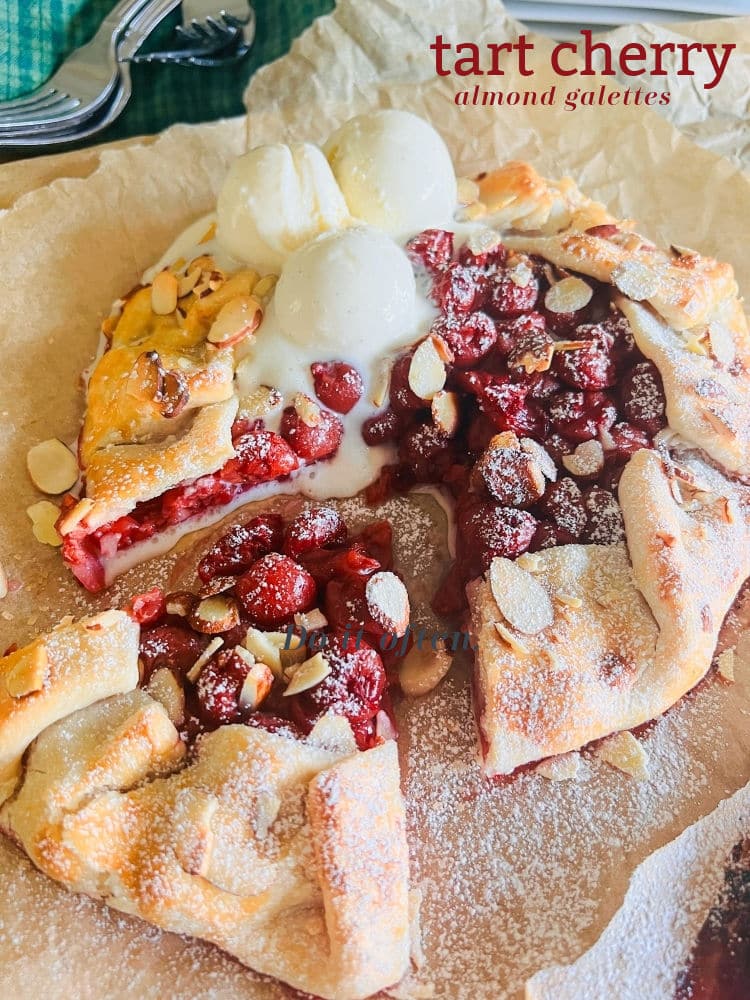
(514, 876)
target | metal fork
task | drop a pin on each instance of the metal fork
(81, 85)
(212, 40)
(135, 35)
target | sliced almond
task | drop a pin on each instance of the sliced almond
(290, 659)
(635, 280)
(267, 806)
(530, 561)
(520, 597)
(3, 583)
(180, 603)
(307, 410)
(560, 768)
(518, 647)
(195, 671)
(334, 732)
(164, 687)
(194, 811)
(722, 343)
(310, 673)
(388, 602)
(256, 686)
(570, 345)
(187, 282)
(52, 466)
(380, 382)
(541, 456)
(311, 621)
(29, 674)
(683, 251)
(569, 600)
(164, 293)
(467, 190)
(725, 664)
(43, 516)
(520, 274)
(209, 234)
(423, 668)
(267, 646)
(483, 240)
(624, 752)
(261, 401)
(265, 286)
(446, 413)
(587, 460)
(236, 320)
(215, 614)
(427, 372)
(568, 295)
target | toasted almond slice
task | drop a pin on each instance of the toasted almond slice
(310, 673)
(560, 768)
(53, 467)
(164, 293)
(725, 664)
(427, 372)
(290, 659)
(623, 751)
(541, 456)
(194, 811)
(446, 414)
(569, 600)
(520, 274)
(257, 684)
(29, 674)
(683, 251)
(483, 240)
(568, 295)
(311, 621)
(388, 602)
(209, 234)
(333, 732)
(215, 614)
(423, 668)
(468, 191)
(695, 342)
(164, 687)
(586, 460)
(530, 561)
(181, 603)
(518, 647)
(265, 286)
(722, 343)
(307, 409)
(188, 282)
(43, 516)
(520, 597)
(267, 646)
(380, 382)
(261, 401)
(3, 583)
(195, 671)
(237, 319)
(635, 280)
(570, 345)
(477, 210)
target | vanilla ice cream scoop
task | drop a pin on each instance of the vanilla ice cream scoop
(395, 171)
(350, 293)
(274, 199)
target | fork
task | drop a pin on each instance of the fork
(211, 40)
(135, 35)
(81, 85)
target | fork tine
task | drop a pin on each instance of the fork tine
(61, 102)
(31, 99)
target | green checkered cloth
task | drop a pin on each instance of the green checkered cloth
(36, 35)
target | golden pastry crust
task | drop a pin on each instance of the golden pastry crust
(287, 855)
(72, 667)
(635, 626)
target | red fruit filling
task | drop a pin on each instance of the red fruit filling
(559, 379)
(313, 440)
(269, 571)
(337, 385)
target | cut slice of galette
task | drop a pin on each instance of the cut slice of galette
(196, 763)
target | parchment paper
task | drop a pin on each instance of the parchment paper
(514, 877)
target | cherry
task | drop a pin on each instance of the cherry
(219, 687)
(274, 724)
(546, 536)
(432, 248)
(486, 530)
(274, 588)
(531, 352)
(511, 330)
(450, 598)
(170, 646)
(239, 547)
(604, 524)
(337, 385)
(325, 564)
(485, 259)
(510, 476)
(580, 416)
(426, 451)
(642, 397)
(479, 432)
(563, 324)
(590, 367)
(312, 443)
(459, 289)
(314, 528)
(403, 400)
(562, 504)
(260, 456)
(383, 427)
(470, 338)
(505, 403)
(377, 539)
(354, 688)
(507, 298)
(146, 608)
(626, 440)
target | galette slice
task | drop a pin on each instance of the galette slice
(227, 780)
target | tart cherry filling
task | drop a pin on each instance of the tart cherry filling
(261, 456)
(283, 630)
(545, 398)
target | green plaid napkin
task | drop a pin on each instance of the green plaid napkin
(36, 35)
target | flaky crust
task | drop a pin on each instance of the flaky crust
(287, 855)
(72, 667)
(635, 626)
